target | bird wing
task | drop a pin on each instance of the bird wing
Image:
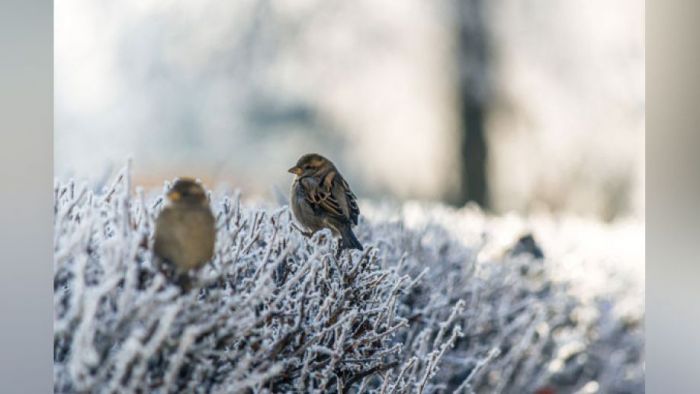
(354, 210)
(325, 201)
(334, 197)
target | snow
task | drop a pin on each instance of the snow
(433, 304)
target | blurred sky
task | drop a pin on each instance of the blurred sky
(234, 92)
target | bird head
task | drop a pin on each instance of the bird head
(187, 191)
(311, 164)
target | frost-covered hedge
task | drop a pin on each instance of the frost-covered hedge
(418, 311)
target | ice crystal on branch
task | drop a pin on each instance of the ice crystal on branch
(275, 311)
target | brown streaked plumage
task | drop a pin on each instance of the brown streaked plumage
(185, 231)
(321, 198)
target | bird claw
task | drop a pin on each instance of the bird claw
(307, 234)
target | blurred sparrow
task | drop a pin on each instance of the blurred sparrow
(320, 198)
(185, 231)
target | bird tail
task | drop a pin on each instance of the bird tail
(349, 240)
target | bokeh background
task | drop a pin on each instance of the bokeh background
(515, 105)
(526, 106)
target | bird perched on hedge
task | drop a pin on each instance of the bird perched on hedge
(321, 198)
(185, 232)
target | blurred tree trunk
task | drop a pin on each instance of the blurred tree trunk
(473, 90)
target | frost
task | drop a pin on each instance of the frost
(428, 307)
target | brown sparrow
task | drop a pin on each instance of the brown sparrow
(321, 198)
(185, 231)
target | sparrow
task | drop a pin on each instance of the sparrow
(185, 232)
(321, 198)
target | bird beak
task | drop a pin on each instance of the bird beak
(295, 170)
(174, 196)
